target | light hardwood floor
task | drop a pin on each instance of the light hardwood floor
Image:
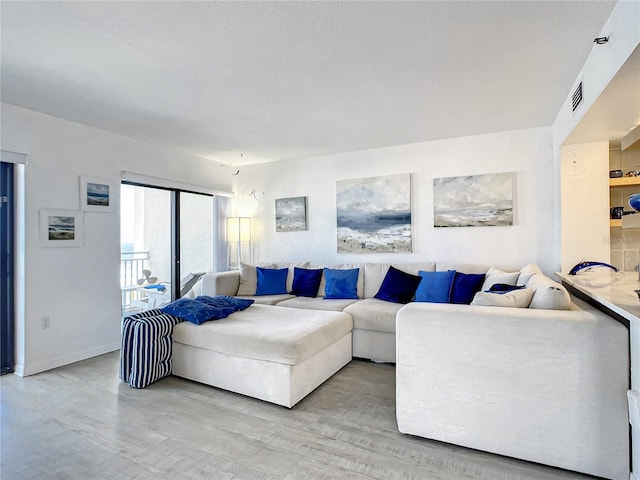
(80, 422)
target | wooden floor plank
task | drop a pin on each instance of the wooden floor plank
(80, 422)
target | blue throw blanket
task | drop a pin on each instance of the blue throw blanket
(204, 308)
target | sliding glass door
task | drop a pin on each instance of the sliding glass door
(167, 242)
(196, 237)
(6, 268)
(145, 247)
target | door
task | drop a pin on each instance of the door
(145, 246)
(196, 239)
(6, 268)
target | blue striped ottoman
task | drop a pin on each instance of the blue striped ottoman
(145, 354)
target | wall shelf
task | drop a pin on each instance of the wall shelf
(624, 181)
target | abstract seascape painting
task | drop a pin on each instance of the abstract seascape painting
(291, 214)
(98, 194)
(473, 201)
(374, 214)
(60, 228)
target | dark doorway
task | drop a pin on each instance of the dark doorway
(7, 320)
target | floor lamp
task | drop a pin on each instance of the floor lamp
(239, 241)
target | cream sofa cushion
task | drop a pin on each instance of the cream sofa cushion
(262, 332)
(318, 303)
(249, 278)
(374, 314)
(516, 298)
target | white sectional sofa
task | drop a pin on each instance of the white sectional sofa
(541, 384)
(373, 320)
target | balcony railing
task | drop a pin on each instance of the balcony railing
(131, 266)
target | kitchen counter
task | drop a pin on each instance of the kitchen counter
(614, 293)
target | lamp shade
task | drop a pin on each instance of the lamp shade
(238, 229)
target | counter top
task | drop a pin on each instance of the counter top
(614, 291)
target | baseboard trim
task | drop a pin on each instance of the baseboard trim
(51, 363)
(19, 370)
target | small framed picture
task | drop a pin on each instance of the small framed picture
(60, 228)
(97, 194)
(291, 214)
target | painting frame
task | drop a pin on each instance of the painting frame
(56, 224)
(483, 200)
(374, 215)
(97, 194)
(291, 214)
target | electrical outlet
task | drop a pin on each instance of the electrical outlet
(45, 322)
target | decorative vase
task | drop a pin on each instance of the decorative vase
(634, 201)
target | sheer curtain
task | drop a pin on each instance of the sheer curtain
(220, 213)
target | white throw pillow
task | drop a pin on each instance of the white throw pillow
(249, 279)
(494, 276)
(515, 298)
(548, 294)
(527, 272)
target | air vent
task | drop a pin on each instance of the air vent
(576, 98)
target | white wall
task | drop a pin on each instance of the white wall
(526, 152)
(601, 66)
(79, 287)
(585, 203)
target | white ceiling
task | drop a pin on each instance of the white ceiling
(246, 82)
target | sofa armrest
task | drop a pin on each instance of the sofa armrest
(221, 283)
(543, 385)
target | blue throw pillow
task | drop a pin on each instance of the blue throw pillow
(193, 311)
(435, 286)
(398, 286)
(504, 288)
(271, 281)
(465, 286)
(225, 302)
(306, 282)
(341, 283)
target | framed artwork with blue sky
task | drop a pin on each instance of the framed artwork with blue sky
(98, 194)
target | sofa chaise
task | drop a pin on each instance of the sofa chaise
(272, 353)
